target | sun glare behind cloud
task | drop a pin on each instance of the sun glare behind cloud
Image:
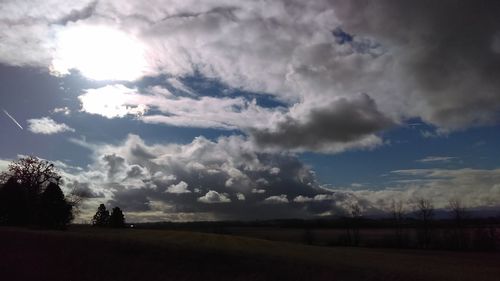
(99, 53)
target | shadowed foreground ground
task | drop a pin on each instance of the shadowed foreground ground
(97, 254)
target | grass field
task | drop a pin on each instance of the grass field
(85, 253)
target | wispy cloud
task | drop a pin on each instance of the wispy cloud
(13, 119)
(434, 159)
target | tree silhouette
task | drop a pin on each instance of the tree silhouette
(117, 219)
(55, 211)
(13, 203)
(458, 213)
(101, 217)
(425, 213)
(352, 224)
(398, 213)
(33, 173)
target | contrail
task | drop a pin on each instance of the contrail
(13, 119)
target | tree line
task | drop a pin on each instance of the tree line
(418, 227)
(30, 195)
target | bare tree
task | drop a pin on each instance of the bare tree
(459, 214)
(353, 224)
(33, 173)
(458, 210)
(425, 213)
(398, 213)
(76, 198)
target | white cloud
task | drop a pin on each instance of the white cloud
(206, 112)
(99, 52)
(277, 199)
(26, 29)
(64, 110)
(47, 126)
(213, 196)
(181, 187)
(112, 101)
(240, 196)
(437, 159)
(318, 197)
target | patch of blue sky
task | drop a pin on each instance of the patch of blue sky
(475, 148)
(215, 88)
(362, 45)
(198, 85)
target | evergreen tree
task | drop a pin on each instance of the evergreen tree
(117, 219)
(13, 203)
(101, 217)
(55, 211)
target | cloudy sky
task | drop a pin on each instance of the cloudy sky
(201, 110)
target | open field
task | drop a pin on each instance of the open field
(369, 237)
(84, 253)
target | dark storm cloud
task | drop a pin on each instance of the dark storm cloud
(447, 52)
(79, 14)
(83, 190)
(204, 177)
(132, 200)
(343, 121)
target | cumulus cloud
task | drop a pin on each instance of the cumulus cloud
(181, 187)
(319, 197)
(47, 126)
(166, 179)
(240, 196)
(213, 196)
(277, 199)
(83, 190)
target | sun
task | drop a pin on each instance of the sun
(99, 53)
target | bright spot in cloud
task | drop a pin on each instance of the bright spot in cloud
(112, 101)
(99, 53)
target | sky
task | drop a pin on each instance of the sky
(242, 110)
